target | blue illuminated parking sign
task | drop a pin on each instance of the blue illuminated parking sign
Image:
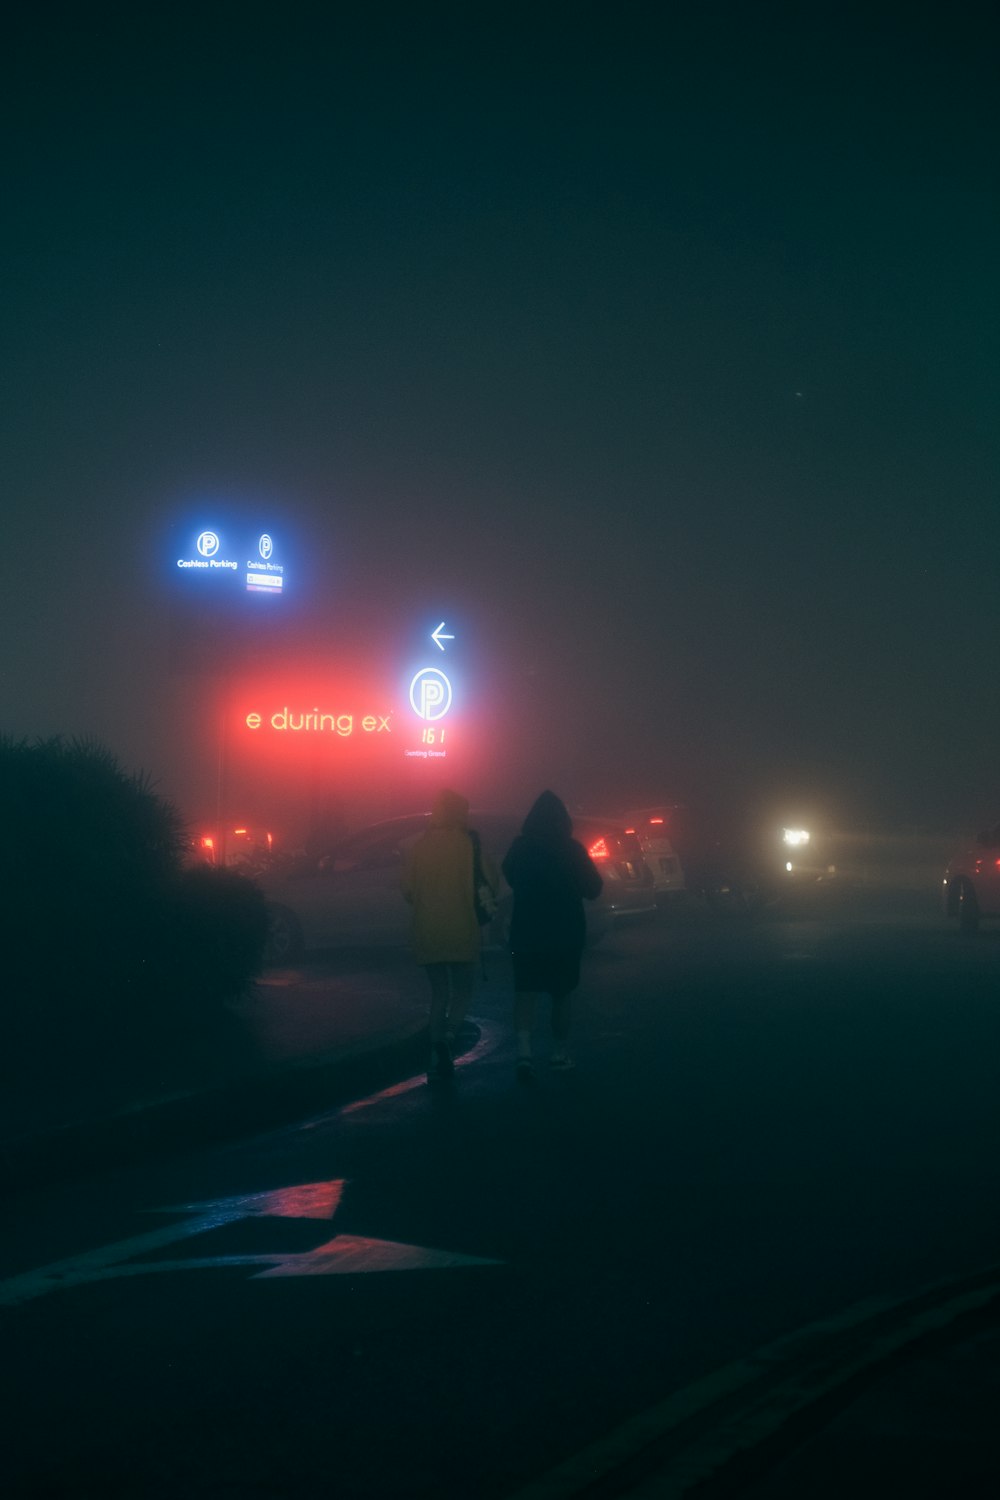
(209, 553)
(264, 574)
(209, 556)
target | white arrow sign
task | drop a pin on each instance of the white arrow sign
(438, 638)
(345, 1254)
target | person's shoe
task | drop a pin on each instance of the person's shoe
(561, 1062)
(525, 1070)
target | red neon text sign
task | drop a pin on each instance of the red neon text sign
(287, 720)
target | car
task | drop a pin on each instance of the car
(972, 881)
(651, 826)
(629, 889)
(696, 851)
(351, 897)
(245, 847)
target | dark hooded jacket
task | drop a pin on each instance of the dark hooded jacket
(550, 874)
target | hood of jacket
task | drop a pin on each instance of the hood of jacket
(548, 820)
(449, 810)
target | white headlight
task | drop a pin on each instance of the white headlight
(796, 836)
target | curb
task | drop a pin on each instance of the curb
(269, 1097)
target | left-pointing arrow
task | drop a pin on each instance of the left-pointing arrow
(311, 1200)
(345, 1254)
(351, 1254)
(438, 637)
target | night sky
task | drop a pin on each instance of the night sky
(656, 345)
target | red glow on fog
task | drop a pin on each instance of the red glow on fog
(341, 732)
(654, 820)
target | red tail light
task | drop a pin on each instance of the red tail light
(655, 820)
(599, 849)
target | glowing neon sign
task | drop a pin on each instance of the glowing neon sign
(286, 720)
(208, 545)
(430, 694)
(262, 574)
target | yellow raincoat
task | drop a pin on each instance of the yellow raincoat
(437, 882)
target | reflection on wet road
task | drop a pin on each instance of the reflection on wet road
(770, 1122)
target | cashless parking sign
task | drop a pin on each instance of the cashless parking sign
(218, 554)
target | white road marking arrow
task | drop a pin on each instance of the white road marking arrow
(345, 1254)
(438, 638)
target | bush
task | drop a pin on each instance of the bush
(108, 940)
(91, 852)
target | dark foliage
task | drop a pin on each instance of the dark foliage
(91, 853)
(110, 945)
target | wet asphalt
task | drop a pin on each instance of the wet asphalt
(771, 1120)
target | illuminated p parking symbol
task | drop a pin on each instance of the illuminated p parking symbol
(430, 694)
(265, 546)
(208, 544)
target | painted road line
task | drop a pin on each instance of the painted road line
(671, 1449)
(345, 1254)
(312, 1200)
(351, 1254)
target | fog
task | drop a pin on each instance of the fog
(657, 363)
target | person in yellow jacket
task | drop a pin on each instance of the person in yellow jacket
(439, 883)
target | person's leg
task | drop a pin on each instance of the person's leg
(562, 1015)
(437, 976)
(524, 1021)
(463, 979)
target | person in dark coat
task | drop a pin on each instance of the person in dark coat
(550, 874)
